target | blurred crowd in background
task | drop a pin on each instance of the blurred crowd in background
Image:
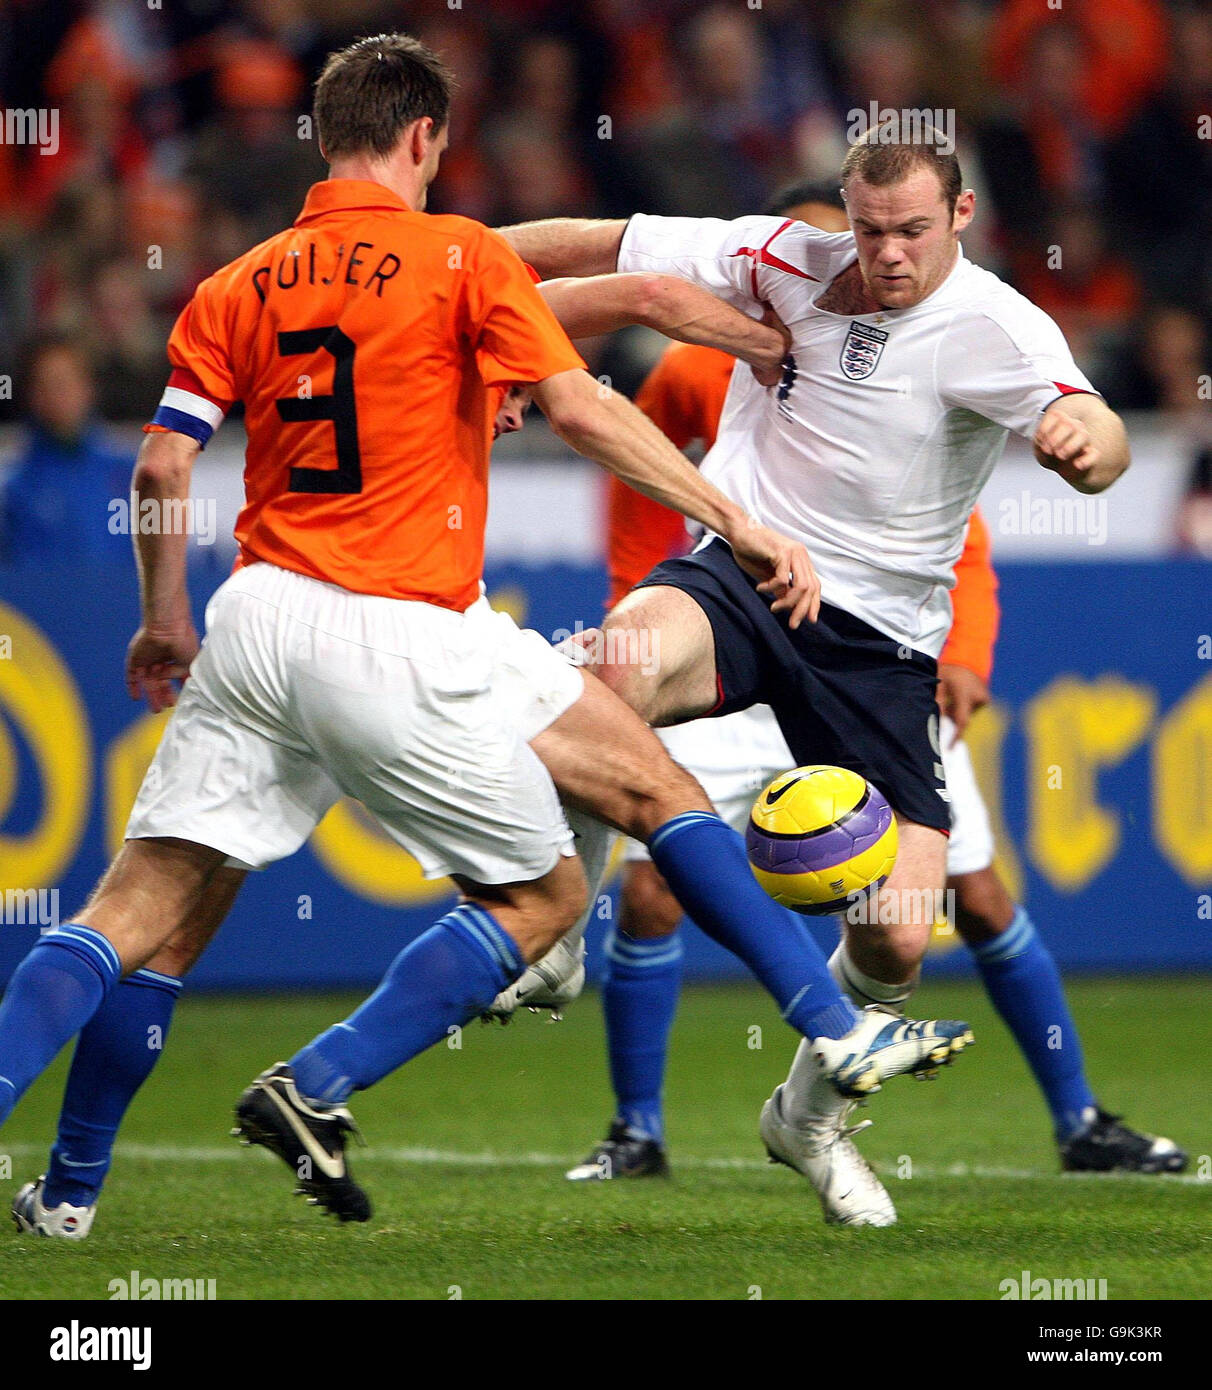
(183, 140)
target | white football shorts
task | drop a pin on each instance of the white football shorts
(735, 756)
(970, 847)
(304, 692)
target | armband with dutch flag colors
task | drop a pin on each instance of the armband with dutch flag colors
(186, 408)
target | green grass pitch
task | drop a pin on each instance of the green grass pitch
(468, 1146)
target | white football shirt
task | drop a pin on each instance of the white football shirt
(877, 443)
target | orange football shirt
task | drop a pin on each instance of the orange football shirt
(684, 397)
(368, 343)
(975, 608)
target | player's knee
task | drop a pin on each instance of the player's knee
(647, 908)
(625, 681)
(648, 789)
(906, 946)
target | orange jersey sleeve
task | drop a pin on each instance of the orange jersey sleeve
(683, 396)
(199, 350)
(366, 343)
(974, 601)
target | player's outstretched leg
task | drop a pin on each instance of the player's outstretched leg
(1025, 986)
(446, 977)
(604, 758)
(639, 999)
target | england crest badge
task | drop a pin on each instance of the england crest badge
(861, 351)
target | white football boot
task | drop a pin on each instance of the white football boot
(64, 1221)
(821, 1148)
(551, 982)
(884, 1044)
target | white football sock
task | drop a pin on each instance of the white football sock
(863, 989)
(807, 1100)
(595, 839)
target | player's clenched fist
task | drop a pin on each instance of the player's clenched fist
(1061, 439)
(783, 567)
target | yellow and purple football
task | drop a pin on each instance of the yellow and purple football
(819, 837)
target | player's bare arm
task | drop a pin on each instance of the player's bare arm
(166, 643)
(1081, 438)
(568, 245)
(604, 303)
(606, 427)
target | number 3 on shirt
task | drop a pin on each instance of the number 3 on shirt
(340, 408)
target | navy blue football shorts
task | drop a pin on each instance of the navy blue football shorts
(843, 692)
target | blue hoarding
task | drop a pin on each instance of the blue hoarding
(1096, 761)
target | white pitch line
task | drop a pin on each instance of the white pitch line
(171, 1153)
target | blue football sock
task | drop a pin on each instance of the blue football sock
(640, 997)
(116, 1052)
(1025, 986)
(444, 978)
(52, 994)
(705, 865)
